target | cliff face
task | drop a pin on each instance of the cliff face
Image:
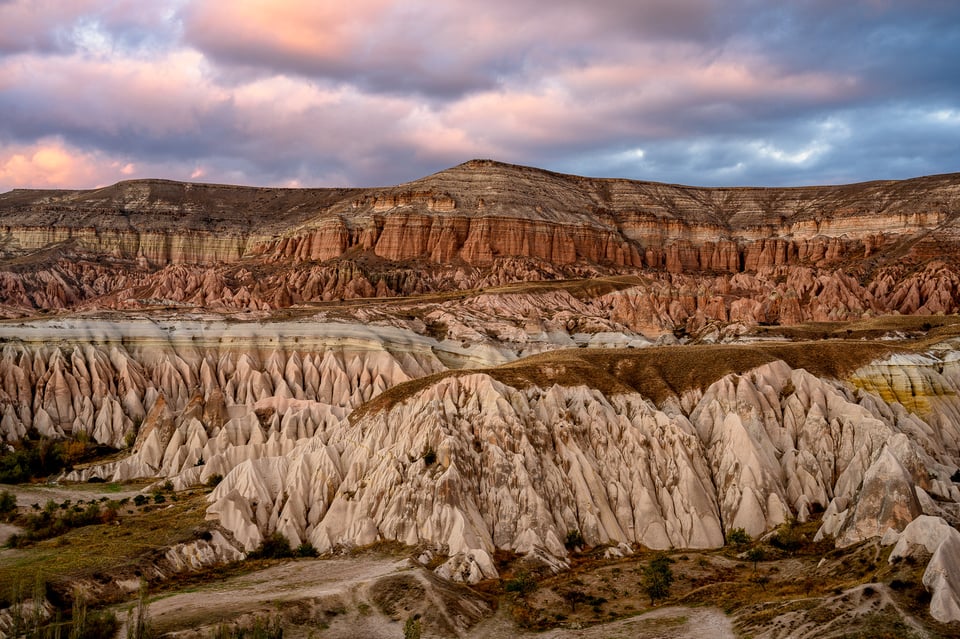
(145, 242)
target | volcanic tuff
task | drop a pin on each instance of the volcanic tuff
(719, 254)
(494, 356)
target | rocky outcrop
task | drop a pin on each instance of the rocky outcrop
(726, 255)
(470, 464)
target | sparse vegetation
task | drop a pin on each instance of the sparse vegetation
(574, 540)
(35, 457)
(306, 549)
(8, 504)
(54, 520)
(138, 619)
(756, 555)
(657, 578)
(275, 546)
(260, 628)
(738, 537)
(412, 628)
(522, 584)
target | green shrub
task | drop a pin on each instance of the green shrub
(36, 457)
(738, 537)
(657, 578)
(275, 546)
(306, 549)
(523, 584)
(261, 628)
(574, 540)
(411, 627)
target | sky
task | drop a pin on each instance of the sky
(379, 92)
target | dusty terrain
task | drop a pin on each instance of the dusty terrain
(487, 399)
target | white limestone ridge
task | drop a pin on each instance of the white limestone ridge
(517, 468)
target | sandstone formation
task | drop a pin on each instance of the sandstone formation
(724, 254)
(480, 360)
(470, 464)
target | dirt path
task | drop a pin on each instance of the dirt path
(263, 590)
(675, 622)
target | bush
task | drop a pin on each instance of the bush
(8, 504)
(738, 537)
(574, 540)
(411, 627)
(275, 546)
(787, 536)
(37, 456)
(523, 584)
(306, 549)
(139, 500)
(262, 628)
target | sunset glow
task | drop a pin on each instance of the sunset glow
(380, 92)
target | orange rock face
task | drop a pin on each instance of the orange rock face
(710, 255)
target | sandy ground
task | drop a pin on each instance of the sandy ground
(342, 582)
(5, 531)
(674, 622)
(265, 589)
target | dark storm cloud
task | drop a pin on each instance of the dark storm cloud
(379, 91)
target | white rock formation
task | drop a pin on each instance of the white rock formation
(518, 468)
(942, 578)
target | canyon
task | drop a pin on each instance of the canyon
(494, 360)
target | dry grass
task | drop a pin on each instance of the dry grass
(917, 327)
(657, 373)
(788, 589)
(105, 549)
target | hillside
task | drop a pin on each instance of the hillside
(503, 375)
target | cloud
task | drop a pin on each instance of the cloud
(49, 163)
(382, 91)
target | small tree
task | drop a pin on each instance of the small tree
(657, 578)
(138, 620)
(755, 555)
(738, 537)
(574, 597)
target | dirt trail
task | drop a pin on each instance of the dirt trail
(674, 622)
(263, 590)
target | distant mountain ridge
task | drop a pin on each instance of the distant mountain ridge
(479, 223)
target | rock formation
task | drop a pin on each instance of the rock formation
(485, 359)
(722, 254)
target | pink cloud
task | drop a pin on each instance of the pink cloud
(50, 163)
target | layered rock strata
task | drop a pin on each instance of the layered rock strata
(756, 255)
